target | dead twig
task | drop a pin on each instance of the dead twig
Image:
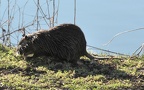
(108, 51)
(139, 50)
(21, 29)
(122, 33)
(107, 58)
(74, 11)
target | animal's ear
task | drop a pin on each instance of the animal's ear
(26, 37)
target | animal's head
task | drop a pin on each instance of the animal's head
(25, 46)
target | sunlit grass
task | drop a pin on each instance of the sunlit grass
(44, 73)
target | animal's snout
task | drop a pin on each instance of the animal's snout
(21, 49)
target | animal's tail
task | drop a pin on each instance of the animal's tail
(89, 56)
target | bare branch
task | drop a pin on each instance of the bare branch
(139, 50)
(21, 29)
(53, 19)
(74, 11)
(56, 20)
(122, 33)
(38, 14)
(107, 51)
(42, 12)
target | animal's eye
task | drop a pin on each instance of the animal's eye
(24, 42)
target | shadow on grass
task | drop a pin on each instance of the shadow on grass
(84, 70)
(27, 71)
(108, 70)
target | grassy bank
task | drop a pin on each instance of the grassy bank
(45, 73)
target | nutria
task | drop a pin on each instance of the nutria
(65, 42)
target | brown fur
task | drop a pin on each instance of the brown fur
(66, 42)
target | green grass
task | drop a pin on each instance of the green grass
(46, 74)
